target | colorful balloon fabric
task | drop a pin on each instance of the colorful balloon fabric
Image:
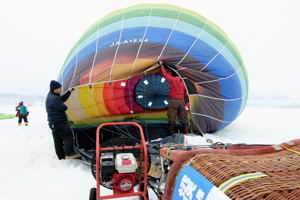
(115, 53)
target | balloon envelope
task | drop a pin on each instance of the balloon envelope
(113, 55)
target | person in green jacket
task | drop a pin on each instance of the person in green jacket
(22, 113)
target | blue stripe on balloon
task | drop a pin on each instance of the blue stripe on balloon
(201, 50)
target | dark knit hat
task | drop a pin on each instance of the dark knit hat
(54, 85)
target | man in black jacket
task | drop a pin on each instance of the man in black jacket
(58, 122)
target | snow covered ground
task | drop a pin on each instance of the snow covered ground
(29, 169)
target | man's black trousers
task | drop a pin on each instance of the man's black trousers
(63, 139)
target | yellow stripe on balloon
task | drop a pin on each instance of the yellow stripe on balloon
(87, 100)
(127, 70)
(75, 111)
(98, 90)
(71, 118)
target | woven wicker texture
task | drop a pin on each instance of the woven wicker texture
(282, 168)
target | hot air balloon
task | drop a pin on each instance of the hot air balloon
(113, 61)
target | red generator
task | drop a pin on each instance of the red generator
(120, 167)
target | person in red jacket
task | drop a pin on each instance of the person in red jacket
(177, 98)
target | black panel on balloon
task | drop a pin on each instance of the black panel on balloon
(152, 92)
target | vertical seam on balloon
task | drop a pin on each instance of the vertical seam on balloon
(172, 30)
(76, 63)
(215, 56)
(215, 80)
(138, 52)
(116, 52)
(144, 35)
(211, 117)
(95, 55)
(192, 44)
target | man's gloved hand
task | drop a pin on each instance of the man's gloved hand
(71, 89)
(51, 126)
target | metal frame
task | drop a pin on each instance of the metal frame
(142, 165)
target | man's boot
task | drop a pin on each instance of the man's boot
(19, 124)
(74, 156)
(185, 128)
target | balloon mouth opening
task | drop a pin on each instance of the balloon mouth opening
(152, 93)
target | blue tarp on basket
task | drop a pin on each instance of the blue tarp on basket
(152, 92)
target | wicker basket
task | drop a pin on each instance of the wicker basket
(282, 168)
